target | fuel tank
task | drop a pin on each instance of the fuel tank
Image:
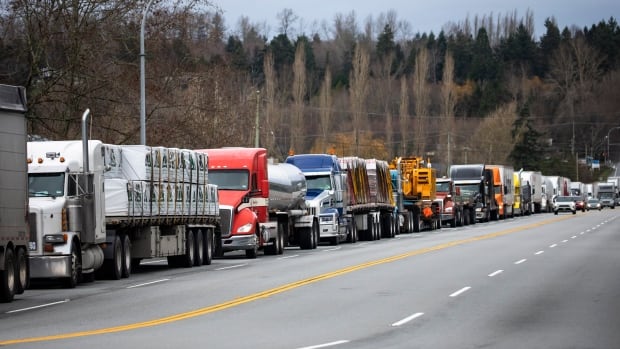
(287, 187)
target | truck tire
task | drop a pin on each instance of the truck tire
(316, 235)
(21, 271)
(305, 238)
(126, 268)
(252, 253)
(416, 223)
(113, 268)
(187, 260)
(7, 277)
(76, 267)
(351, 232)
(272, 249)
(199, 245)
(209, 247)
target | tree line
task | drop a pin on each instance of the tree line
(484, 89)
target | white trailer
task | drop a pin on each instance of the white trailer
(534, 179)
(13, 193)
(156, 203)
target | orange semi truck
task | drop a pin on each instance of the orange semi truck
(503, 187)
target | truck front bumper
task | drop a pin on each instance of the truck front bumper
(46, 267)
(329, 230)
(239, 242)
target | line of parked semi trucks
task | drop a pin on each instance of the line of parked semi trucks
(78, 210)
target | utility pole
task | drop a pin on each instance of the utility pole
(256, 134)
(142, 78)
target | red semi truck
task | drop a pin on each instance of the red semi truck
(262, 205)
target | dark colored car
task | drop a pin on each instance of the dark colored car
(580, 204)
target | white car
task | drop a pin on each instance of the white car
(564, 204)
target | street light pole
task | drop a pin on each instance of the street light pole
(608, 132)
(142, 78)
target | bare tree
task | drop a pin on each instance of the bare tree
(403, 115)
(421, 93)
(325, 105)
(299, 94)
(448, 102)
(359, 90)
(287, 19)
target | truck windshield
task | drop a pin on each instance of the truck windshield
(443, 187)
(469, 189)
(319, 182)
(229, 179)
(46, 184)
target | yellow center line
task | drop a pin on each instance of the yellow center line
(274, 291)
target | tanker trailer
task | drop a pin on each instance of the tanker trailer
(295, 220)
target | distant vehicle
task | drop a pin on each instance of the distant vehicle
(593, 204)
(564, 204)
(580, 204)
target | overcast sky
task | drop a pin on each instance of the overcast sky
(423, 16)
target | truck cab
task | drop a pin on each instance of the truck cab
(326, 193)
(58, 183)
(243, 187)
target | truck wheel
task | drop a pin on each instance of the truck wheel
(112, 268)
(199, 253)
(273, 248)
(411, 222)
(190, 249)
(352, 232)
(7, 277)
(305, 238)
(21, 271)
(76, 267)
(316, 237)
(416, 223)
(209, 247)
(126, 268)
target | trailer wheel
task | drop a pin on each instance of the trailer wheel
(200, 247)
(281, 239)
(7, 277)
(126, 268)
(190, 256)
(209, 247)
(21, 271)
(76, 267)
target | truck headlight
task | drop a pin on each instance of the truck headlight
(246, 228)
(55, 239)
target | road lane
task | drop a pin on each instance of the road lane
(365, 299)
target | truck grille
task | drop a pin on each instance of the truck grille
(32, 221)
(225, 221)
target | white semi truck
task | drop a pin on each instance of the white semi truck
(102, 207)
(13, 193)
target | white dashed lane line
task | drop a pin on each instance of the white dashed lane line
(461, 291)
(497, 272)
(407, 319)
(520, 261)
(539, 252)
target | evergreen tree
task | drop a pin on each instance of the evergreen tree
(527, 152)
